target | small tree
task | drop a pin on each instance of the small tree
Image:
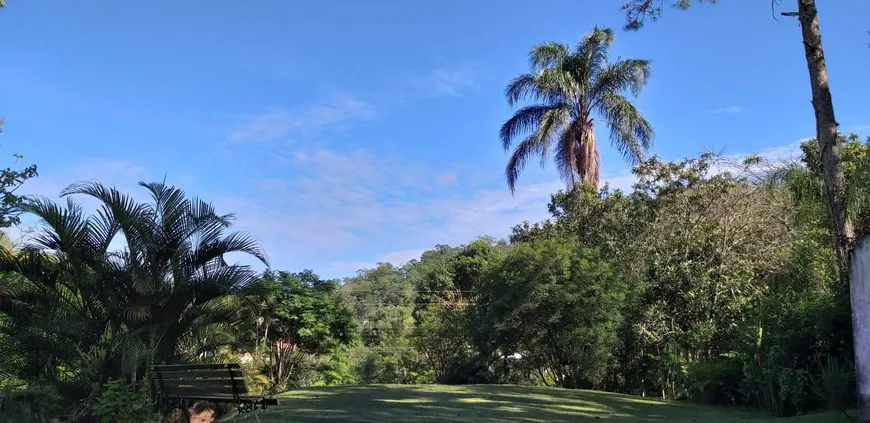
(295, 315)
(10, 181)
(558, 306)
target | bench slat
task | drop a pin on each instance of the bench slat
(205, 374)
(168, 367)
(229, 398)
(206, 385)
(197, 390)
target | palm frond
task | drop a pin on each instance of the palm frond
(548, 55)
(630, 133)
(592, 50)
(536, 144)
(235, 242)
(521, 88)
(63, 228)
(525, 120)
(627, 74)
(118, 212)
(589, 159)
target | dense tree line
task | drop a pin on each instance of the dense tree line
(713, 280)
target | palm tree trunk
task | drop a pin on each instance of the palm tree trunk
(589, 165)
(835, 181)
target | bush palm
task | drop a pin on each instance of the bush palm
(76, 312)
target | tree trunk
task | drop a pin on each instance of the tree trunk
(826, 134)
(589, 161)
(835, 190)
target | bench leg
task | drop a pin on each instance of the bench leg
(186, 412)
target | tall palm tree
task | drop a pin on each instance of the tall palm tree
(76, 311)
(569, 89)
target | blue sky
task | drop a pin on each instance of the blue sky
(347, 133)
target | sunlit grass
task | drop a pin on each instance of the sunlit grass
(408, 401)
(497, 403)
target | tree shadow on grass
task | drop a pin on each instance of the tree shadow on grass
(484, 403)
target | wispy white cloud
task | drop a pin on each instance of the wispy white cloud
(397, 258)
(726, 110)
(340, 211)
(447, 178)
(452, 80)
(445, 80)
(280, 123)
(779, 154)
(360, 208)
(625, 179)
(622, 180)
(351, 207)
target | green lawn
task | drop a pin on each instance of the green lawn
(494, 403)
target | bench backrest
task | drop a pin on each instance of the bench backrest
(180, 380)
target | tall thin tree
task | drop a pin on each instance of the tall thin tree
(570, 88)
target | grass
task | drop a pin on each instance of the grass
(495, 403)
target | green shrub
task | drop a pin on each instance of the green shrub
(256, 382)
(335, 369)
(124, 402)
(779, 390)
(760, 388)
(835, 384)
(792, 384)
(390, 365)
(30, 405)
(715, 382)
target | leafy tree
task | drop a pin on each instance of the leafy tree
(82, 313)
(823, 106)
(608, 220)
(10, 181)
(383, 302)
(297, 314)
(571, 88)
(452, 275)
(713, 246)
(448, 285)
(441, 336)
(829, 152)
(336, 369)
(382, 299)
(558, 306)
(433, 276)
(856, 170)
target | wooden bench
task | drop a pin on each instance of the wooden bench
(179, 385)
